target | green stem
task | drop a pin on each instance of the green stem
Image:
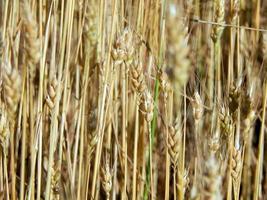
(155, 112)
(151, 140)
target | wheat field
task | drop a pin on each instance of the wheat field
(133, 99)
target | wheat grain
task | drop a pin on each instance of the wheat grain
(198, 108)
(147, 105)
(4, 131)
(226, 122)
(55, 182)
(12, 83)
(236, 164)
(107, 178)
(137, 77)
(51, 93)
(164, 83)
(123, 48)
(174, 142)
(218, 18)
(90, 27)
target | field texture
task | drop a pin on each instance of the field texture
(133, 99)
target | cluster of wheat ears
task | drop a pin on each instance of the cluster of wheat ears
(133, 99)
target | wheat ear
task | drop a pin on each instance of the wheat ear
(212, 180)
(32, 47)
(219, 15)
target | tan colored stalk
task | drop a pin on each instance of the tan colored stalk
(32, 57)
(167, 100)
(257, 19)
(124, 131)
(101, 108)
(23, 142)
(183, 174)
(139, 85)
(54, 124)
(123, 50)
(234, 11)
(136, 135)
(85, 81)
(198, 109)
(248, 129)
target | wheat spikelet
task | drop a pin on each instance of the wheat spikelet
(198, 108)
(236, 164)
(217, 31)
(123, 48)
(226, 122)
(264, 45)
(248, 122)
(107, 178)
(178, 50)
(90, 27)
(12, 84)
(93, 139)
(32, 46)
(164, 84)
(55, 180)
(212, 180)
(235, 11)
(214, 144)
(147, 105)
(4, 131)
(182, 182)
(139, 84)
(236, 169)
(173, 143)
(51, 93)
(137, 77)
